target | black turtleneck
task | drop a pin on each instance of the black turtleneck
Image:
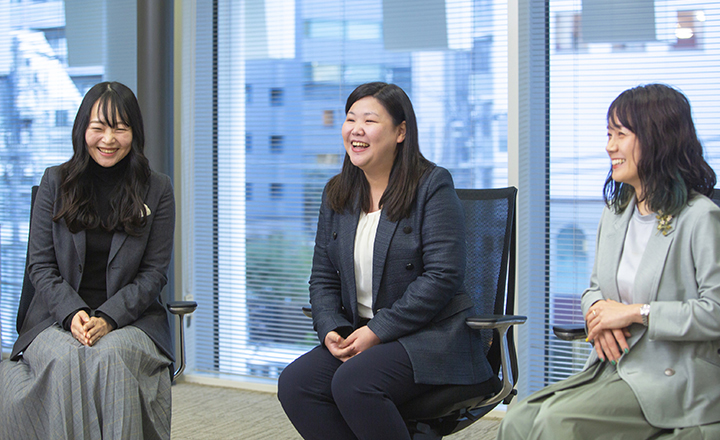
(93, 286)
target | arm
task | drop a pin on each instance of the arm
(696, 318)
(443, 256)
(59, 297)
(132, 300)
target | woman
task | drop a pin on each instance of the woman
(95, 341)
(386, 284)
(653, 306)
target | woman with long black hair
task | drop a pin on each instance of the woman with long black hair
(92, 357)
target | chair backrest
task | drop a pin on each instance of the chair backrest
(716, 196)
(28, 290)
(490, 272)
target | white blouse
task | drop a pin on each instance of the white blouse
(636, 240)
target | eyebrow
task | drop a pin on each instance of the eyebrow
(366, 113)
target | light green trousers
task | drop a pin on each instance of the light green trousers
(593, 404)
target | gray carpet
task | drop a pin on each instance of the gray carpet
(203, 412)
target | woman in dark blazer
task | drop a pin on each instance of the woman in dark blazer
(92, 356)
(653, 306)
(386, 284)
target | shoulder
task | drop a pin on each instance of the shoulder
(160, 183)
(52, 175)
(699, 211)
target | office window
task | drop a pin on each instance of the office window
(276, 144)
(51, 53)
(250, 260)
(276, 97)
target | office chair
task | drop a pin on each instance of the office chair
(574, 332)
(178, 308)
(490, 282)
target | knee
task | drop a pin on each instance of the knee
(516, 424)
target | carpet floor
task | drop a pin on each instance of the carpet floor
(203, 412)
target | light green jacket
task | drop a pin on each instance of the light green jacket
(673, 365)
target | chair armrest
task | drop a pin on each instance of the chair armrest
(501, 323)
(180, 309)
(570, 332)
(483, 322)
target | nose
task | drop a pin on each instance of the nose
(357, 129)
(109, 135)
(610, 147)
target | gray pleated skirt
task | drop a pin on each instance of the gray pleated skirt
(61, 389)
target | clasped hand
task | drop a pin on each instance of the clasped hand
(88, 330)
(607, 323)
(345, 348)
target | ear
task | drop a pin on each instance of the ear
(401, 130)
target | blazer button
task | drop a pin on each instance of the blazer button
(334, 235)
(669, 372)
(407, 229)
(80, 268)
(410, 266)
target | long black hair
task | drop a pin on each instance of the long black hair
(671, 163)
(116, 104)
(408, 167)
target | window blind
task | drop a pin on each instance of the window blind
(270, 83)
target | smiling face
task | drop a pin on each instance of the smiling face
(371, 137)
(107, 145)
(624, 152)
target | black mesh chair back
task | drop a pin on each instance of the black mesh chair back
(489, 281)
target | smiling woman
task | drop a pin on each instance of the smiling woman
(386, 287)
(92, 353)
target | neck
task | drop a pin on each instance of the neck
(642, 205)
(378, 185)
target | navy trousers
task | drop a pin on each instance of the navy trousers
(328, 399)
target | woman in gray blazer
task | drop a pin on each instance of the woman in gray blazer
(92, 356)
(386, 284)
(653, 306)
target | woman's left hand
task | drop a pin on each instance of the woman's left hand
(95, 329)
(360, 340)
(609, 315)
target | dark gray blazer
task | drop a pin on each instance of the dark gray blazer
(418, 273)
(136, 271)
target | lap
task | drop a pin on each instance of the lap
(384, 367)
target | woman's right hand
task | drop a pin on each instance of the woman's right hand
(77, 327)
(336, 344)
(611, 344)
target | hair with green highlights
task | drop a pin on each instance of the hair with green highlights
(671, 163)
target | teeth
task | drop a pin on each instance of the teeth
(106, 151)
(360, 144)
(618, 161)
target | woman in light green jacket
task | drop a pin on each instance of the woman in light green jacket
(653, 306)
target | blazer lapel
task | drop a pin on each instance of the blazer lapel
(383, 237)
(610, 261)
(79, 241)
(652, 263)
(119, 237)
(347, 227)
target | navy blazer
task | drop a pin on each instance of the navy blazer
(136, 271)
(418, 273)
